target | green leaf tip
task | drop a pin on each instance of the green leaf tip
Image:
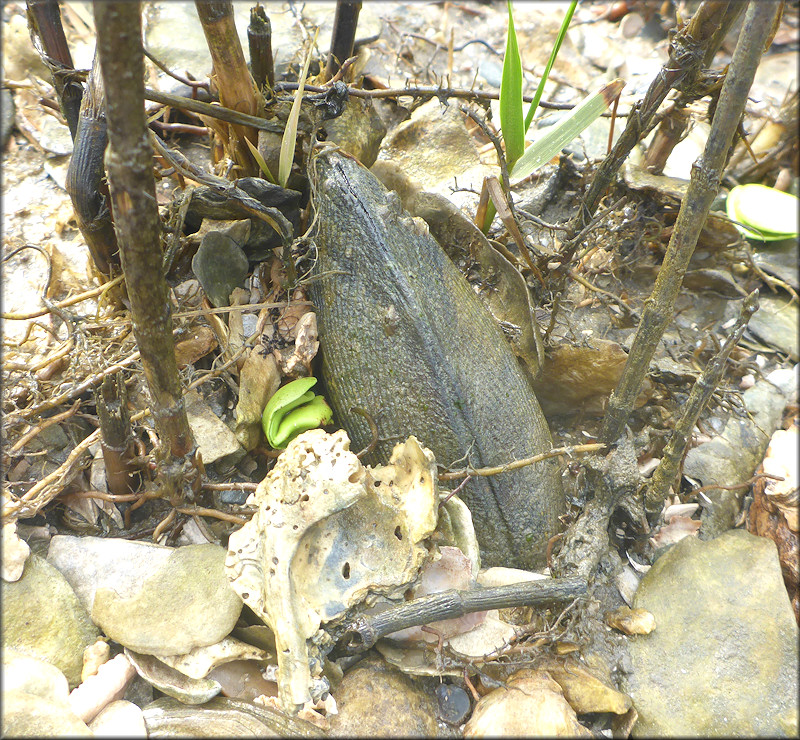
(511, 121)
(762, 213)
(556, 137)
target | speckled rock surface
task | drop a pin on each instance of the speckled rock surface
(376, 700)
(185, 603)
(43, 618)
(722, 660)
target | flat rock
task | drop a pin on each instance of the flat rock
(89, 563)
(722, 660)
(153, 599)
(119, 719)
(43, 618)
(28, 715)
(220, 265)
(376, 700)
(33, 676)
(733, 455)
(776, 324)
(779, 259)
(531, 704)
(184, 603)
(214, 440)
(358, 131)
(434, 148)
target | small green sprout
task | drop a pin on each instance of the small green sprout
(294, 409)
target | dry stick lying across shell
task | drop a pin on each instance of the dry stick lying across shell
(365, 631)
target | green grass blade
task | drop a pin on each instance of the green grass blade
(555, 138)
(511, 97)
(562, 32)
(290, 132)
(262, 165)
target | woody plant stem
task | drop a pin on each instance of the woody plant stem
(129, 162)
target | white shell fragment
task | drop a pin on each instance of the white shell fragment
(172, 682)
(328, 534)
(202, 660)
(15, 553)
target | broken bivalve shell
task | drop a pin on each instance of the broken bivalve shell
(328, 535)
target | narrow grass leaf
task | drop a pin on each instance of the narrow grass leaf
(290, 133)
(556, 137)
(562, 32)
(262, 165)
(511, 97)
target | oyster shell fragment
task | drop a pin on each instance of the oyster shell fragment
(329, 534)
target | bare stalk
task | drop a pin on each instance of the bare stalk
(130, 175)
(345, 23)
(85, 176)
(44, 21)
(111, 399)
(259, 39)
(235, 84)
(703, 188)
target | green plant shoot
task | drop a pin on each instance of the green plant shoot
(511, 123)
(294, 409)
(562, 32)
(556, 137)
(289, 140)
